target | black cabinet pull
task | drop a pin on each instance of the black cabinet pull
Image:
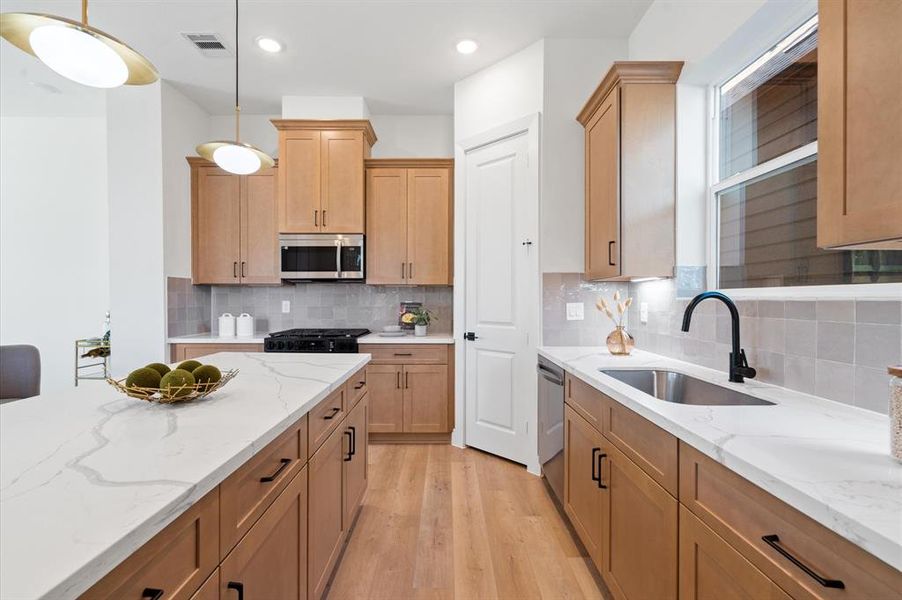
(335, 411)
(285, 462)
(348, 457)
(773, 541)
(406, 380)
(243, 264)
(324, 218)
(353, 440)
(595, 476)
(403, 353)
(399, 380)
(601, 457)
(359, 385)
(610, 255)
(235, 269)
(238, 587)
(316, 218)
(152, 594)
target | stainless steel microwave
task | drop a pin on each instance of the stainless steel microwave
(321, 256)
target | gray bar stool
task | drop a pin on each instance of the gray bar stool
(20, 372)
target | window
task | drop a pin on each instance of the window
(765, 190)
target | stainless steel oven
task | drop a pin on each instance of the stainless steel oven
(551, 425)
(321, 256)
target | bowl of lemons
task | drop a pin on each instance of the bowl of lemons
(188, 381)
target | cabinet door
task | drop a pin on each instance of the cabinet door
(386, 226)
(342, 182)
(386, 398)
(639, 531)
(210, 589)
(326, 527)
(859, 124)
(356, 474)
(710, 569)
(259, 229)
(603, 190)
(299, 181)
(425, 398)
(269, 561)
(428, 226)
(216, 230)
(582, 496)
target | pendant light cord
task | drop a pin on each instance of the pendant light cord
(237, 105)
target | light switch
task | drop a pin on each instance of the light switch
(575, 311)
(643, 312)
(286, 306)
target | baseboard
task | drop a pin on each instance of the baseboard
(410, 438)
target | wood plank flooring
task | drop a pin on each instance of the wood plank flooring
(440, 522)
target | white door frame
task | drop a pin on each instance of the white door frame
(530, 125)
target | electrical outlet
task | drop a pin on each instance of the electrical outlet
(575, 311)
(643, 312)
(286, 306)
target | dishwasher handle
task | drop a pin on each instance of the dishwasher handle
(550, 375)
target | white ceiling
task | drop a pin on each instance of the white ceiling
(398, 54)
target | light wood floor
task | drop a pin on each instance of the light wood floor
(441, 522)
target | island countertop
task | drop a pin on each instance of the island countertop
(87, 476)
(828, 460)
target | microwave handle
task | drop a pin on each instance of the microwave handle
(338, 257)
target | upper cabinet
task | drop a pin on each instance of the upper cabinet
(859, 182)
(630, 171)
(409, 221)
(321, 175)
(233, 226)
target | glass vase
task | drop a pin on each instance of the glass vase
(620, 342)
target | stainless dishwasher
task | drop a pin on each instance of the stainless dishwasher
(551, 425)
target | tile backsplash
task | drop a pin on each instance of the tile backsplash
(329, 305)
(559, 289)
(188, 307)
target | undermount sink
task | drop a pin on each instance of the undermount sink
(678, 388)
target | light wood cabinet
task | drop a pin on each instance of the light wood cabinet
(326, 523)
(321, 176)
(180, 352)
(234, 236)
(409, 221)
(426, 398)
(630, 171)
(386, 398)
(356, 472)
(582, 494)
(270, 561)
(859, 183)
(209, 590)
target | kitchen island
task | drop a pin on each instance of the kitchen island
(88, 476)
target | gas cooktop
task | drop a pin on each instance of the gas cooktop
(314, 340)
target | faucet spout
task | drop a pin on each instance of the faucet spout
(739, 366)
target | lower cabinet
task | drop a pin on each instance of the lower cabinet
(271, 560)
(355, 461)
(326, 512)
(210, 589)
(180, 352)
(386, 398)
(582, 487)
(710, 569)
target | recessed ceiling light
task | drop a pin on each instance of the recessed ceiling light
(268, 44)
(467, 46)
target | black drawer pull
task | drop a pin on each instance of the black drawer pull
(238, 587)
(610, 259)
(152, 594)
(335, 411)
(601, 457)
(285, 462)
(403, 353)
(773, 541)
(359, 385)
(350, 442)
(353, 440)
(595, 477)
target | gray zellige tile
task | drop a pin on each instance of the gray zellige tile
(801, 337)
(877, 345)
(834, 381)
(836, 310)
(836, 341)
(872, 390)
(801, 309)
(798, 373)
(878, 311)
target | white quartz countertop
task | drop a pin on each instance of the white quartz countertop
(87, 476)
(828, 460)
(213, 338)
(372, 338)
(410, 338)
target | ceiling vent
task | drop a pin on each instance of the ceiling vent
(208, 44)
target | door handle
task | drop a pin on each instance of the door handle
(601, 457)
(773, 541)
(152, 594)
(471, 336)
(235, 269)
(353, 440)
(284, 463)
(243, 264)
(238, 587)
(595, 476)
(316, 218)
(335, 411)
(610, 255)
(350, 454)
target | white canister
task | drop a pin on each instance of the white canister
(245, 325)
(227, 325)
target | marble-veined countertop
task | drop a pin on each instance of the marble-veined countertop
(828, 460)
(87, 476)
(257, 338)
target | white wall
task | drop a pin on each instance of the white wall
(257, 130)
(184, 126)
(413, 136)
(324, 107)
(135, 185)
(573, 69)
(54, 271)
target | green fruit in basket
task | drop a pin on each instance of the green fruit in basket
(189, 365)
(159, 368)
(143, 378)
(207, 374)
(177, 383)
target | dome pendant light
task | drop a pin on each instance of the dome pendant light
(77, 51)
(235, 156)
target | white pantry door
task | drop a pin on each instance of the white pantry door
(502, 298)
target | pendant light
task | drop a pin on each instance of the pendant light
(76, 50)
(236, 156)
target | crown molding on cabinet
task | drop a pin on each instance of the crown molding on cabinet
(409, 163)
(332, 124)
(630, 72)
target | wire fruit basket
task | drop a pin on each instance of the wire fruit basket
(184, 393)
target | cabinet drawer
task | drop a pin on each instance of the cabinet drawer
(649, 446)
(177, 560)
(585, 400)
(247, 492)
(324, 418)
(743, 514)
(407, 355)
(355, 388)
